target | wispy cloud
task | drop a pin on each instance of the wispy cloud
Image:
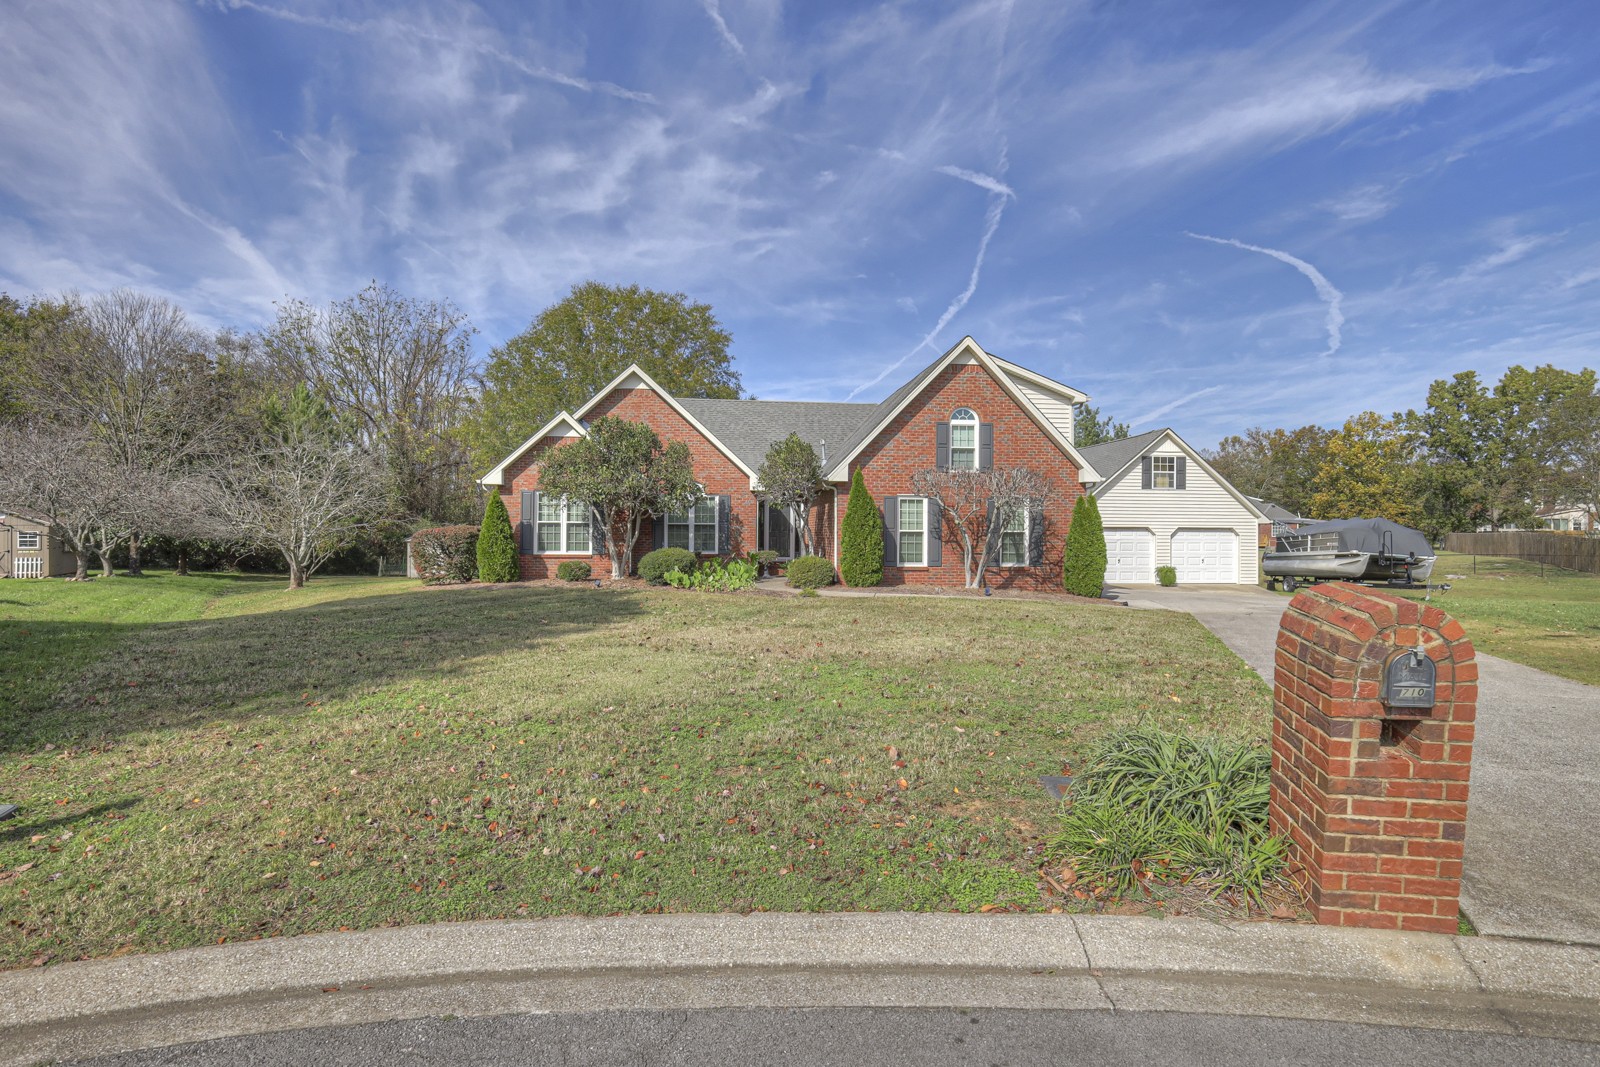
(1325, 289)
(981, 180)
(714, 12)
(1187, 398)
(1512, 248)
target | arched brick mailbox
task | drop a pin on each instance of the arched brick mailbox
(1374, 707)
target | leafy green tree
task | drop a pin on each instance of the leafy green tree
(861, 537)
(1274, 465)
(1574, 449)
(575, 347)
(1083, 569)
(625, 474)
(1366, 473)
(791, 477)
(20, 325)
(1089, 427)
(497, 547)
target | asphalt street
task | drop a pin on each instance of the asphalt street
(862, 1037)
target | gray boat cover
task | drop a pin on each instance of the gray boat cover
(1372, 535)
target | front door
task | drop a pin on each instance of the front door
(780, 531)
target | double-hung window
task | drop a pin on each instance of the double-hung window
(1164, 472)
(563, 526)
(28, 539)
(1014, 539)
(964, 440)
(695, 529)
(913, 531)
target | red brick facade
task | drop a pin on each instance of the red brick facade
(907, 446)
(1373, 799)
(888, 463)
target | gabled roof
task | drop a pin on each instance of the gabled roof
(885, 412)
(561, 421)
(1047, 384)
(1111, 458)
(751, 427)
(1276, 512)
(1118, 456)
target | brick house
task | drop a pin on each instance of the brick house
(965, 409)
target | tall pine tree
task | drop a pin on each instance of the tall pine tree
(497, 547)
(861, 537)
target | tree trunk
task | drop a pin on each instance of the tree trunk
(183, 560)
(82, 559)
(297, 575)
(105, 563)
(134, 570)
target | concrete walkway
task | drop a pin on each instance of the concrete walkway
(1533, 814)
(1100, 965)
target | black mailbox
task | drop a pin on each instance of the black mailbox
(1409, 680)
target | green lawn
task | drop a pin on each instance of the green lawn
(215, 758)
(1509, 609)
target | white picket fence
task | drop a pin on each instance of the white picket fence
(27, 567)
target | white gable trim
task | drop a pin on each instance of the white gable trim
(969, 351)
(570, 426)
(1183, 446)
(635, 378)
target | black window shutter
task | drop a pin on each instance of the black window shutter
(1036, 537)
(658, 531)
(597, 532)
(891, 530)
(1183, 474)
(530, 514)
(1146, 482)
(935, 534)
(724, 519)
(941, 446)
(985, 445)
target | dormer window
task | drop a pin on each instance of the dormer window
(964, 439)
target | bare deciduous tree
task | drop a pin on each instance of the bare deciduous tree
(976, 506)
(58, 475)
(400, 368)
(304, 496)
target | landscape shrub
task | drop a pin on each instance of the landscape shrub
(653, 567)
(1083, 570)
(1167, 575)
(715, 576)
(860, 537)
(763, 559)
(809, 572)
(497, 545)
(573, 570)
(446, 554)
(1153, 806)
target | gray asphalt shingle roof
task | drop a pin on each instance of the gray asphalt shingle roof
(1109, 457)
(750, 427)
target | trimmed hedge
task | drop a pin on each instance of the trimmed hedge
(573, 570)
(446, 554)
(861, 537)
(497, 545)
(654, 566)
(809, 572)
(1167, 575)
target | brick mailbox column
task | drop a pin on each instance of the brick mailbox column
(1370, 768)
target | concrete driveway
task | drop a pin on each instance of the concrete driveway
(1533, 817)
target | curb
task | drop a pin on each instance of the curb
(688, 962)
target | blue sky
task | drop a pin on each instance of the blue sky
(1205, 215)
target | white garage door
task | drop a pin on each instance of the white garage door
(1130, 556)
(1206, 557)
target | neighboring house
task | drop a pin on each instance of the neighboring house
(966, 409)
(1282, 520)
(1573, 518)
(28, 549)
(1162, 504)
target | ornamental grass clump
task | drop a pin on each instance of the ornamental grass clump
(1148, 806)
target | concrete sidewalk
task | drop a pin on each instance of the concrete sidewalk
(1533, 815)
(693, 962)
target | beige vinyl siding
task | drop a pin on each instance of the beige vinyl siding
(1057, 410)
(1203, 505)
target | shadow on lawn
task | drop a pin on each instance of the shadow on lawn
(24, 826)
(142, 676)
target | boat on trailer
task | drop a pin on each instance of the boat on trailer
(1350, 550)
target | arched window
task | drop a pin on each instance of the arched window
(964, 439)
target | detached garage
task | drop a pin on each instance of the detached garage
(1162, 505)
